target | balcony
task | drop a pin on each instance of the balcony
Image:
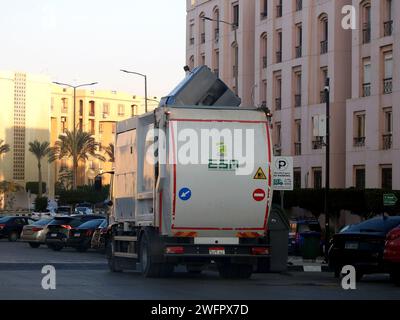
(322, 97)
(387, 86)
(278, 56)
(278, 104)
(264, 62)
(279, 11)
(388, 28)
(297, 100)
(299, 52)
(359, 142)
(299, 5)
(318, 143)
(367, 33)
(216, 35)
(203, 38)
(324, 46)
(191, 41)
(366, 90)
(387, 141)
(264, 14)
(297, 148)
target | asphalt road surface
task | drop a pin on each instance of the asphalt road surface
(85, 276)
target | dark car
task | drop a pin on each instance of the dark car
(81, 237)
(362, 246)
(299, 228)
(11, 227)
(100, 237)
(391, 256)
(59, 229)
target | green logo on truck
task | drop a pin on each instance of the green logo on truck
(223, 165)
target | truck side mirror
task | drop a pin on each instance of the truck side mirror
(98, 183)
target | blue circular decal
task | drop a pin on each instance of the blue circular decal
(185, 194)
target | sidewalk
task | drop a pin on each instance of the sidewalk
(299, 264)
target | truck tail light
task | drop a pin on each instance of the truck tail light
(174, 250)
(394, 235)
(2, 226)
(259, 251)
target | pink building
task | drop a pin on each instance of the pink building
(283, 53)
(373, 144)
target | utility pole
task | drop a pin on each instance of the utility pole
(327, 167)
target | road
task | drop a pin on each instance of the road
(85, 276)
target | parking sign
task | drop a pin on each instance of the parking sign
(283, 173)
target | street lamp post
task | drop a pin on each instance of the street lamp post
(327, 167)
(145, 85)
(235, 26)
(74, 151)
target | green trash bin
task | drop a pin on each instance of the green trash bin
(310, 246)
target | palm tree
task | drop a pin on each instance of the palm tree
(109, 150)
(40, 150)
(4, 148)
(79, 146)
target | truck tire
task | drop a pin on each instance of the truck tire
(149, 268)
(113, 264)
(235, 271)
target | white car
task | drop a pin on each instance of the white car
(83, 210)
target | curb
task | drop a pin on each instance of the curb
(58, 266)
(304, 268)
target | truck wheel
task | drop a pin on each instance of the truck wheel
(13, 236)
(34, 245)
(113, 264)
(235, 271)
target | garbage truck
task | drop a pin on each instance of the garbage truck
(191, 184)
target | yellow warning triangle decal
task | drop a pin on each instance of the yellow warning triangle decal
(260, 175)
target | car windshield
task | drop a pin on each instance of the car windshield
(42, 222)
(5, 219)
(376, 225)
(91, 224)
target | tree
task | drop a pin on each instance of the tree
(4, 148)
(109, 150)
(40, 150)
(79, 146)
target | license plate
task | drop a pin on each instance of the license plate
(77, 235)
(54, 235)
(216, 251)
(351, 245)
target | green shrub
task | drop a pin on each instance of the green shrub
(41, 204)
(33, 187)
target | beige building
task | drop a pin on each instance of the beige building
(286, 49)
(373, 143)
(35, 109)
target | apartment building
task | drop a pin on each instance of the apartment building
(373, 138)
(287, 49)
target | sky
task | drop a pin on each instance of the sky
(91, 40)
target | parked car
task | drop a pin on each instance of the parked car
(81, 237)
(59, 229)
(99, 239)
(83, 210)
(298, 229)
(362, 246)
(35, 233)
(392, 255)
(11, 227)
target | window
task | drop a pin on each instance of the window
(64, 124)
(64, 105)
(387, 129)
(106, 109)
(324, 33)
(236, 15)
(278, 138)
(91, 126)
(191, 62)
(264, 93)
(279, 8)
(101, 128)
(297, 137)
(387, 182)
(121, 110)
(324, 77)
(235, 69)
(133, 110)
(297, 89)
(202, 24)
(92, 108)
(264, 50)
(366, 31)
(317, 178)
(359, 177)
(388, 72)
(299, 5)
(216, 62)
(297, 178)
(264, 9)
(299, 39)
(359, 129)
(279, 46)
(203, 59)
(216, 25)
(388, 22)
(81, 108)
(278, 92)
(366, 86)
(81, 124)
(191, 34)
(318, 131)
